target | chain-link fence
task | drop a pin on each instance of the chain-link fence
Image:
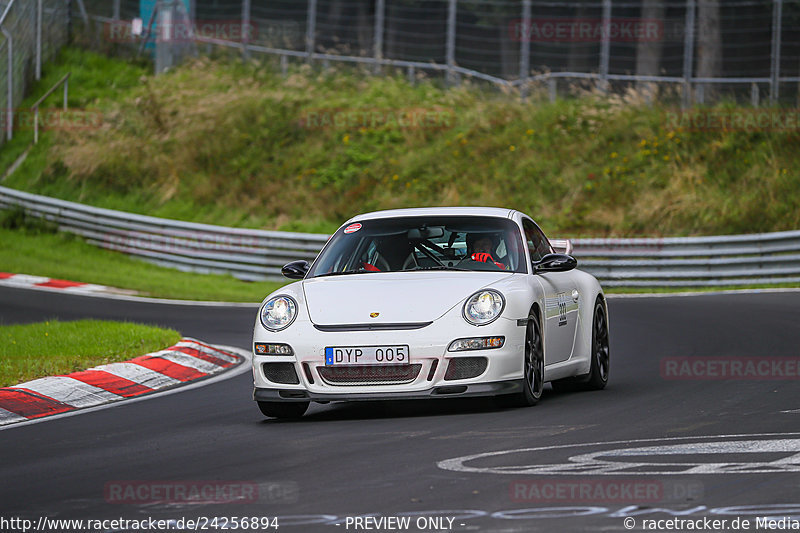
(700, 50)
(31, 32)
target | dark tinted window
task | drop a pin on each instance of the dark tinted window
(537, 243)
(423, 243)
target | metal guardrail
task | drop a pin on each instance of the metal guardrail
(764, 258)
(244, 253)
(251, 254)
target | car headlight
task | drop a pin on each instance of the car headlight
(484, 307)
(278, 313)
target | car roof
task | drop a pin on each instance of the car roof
(499, 212)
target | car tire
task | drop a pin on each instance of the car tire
(283, 409)
(598, 373)
(597, 377)
(532, 364)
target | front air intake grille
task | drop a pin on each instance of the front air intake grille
(369, 374)
(307, 372)
(432, 371)
(465, 368)
(281, 373)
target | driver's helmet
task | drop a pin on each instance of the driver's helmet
(475, 237)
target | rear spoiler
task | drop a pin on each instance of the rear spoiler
(562, 246)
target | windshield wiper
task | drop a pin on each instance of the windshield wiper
(436, 267)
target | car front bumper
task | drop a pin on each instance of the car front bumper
(429, 356)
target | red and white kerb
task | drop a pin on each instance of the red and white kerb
(186, 361)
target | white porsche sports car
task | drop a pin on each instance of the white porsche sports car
(430, 303)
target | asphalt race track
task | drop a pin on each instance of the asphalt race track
(713, 448)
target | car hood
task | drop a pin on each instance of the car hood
(398, 297)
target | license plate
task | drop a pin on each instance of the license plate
(366, 355)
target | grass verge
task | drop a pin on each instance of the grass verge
(240, 145)
(62, 256)
(50, 348)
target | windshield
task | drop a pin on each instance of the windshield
(469, 243)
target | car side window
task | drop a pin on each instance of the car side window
(538, 245)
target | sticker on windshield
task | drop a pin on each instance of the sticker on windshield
(352, 228)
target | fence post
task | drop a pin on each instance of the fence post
(525, 50)
(245, 29)
(688, 54)
(552, 85)
(116, 15)
(605, 47)
(380, 13)
(311, 28)
(39, 40)
(451, 41)
(9, 85)
(775, 64)
(69, 21)
(84, 15)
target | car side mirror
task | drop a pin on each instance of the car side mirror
(295, 269)
(555, 263)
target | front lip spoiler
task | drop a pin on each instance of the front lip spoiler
(495, 388)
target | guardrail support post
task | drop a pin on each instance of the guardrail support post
(380, 14)
(605, 47)
(775, 64)
(688, 54)
(451, 42)
(525, 50)
(311, 28)
(552, 85)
